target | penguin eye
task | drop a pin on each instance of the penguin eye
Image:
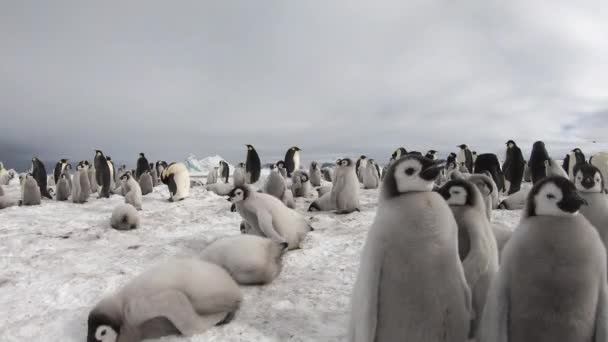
(550, 196)
(410, 171)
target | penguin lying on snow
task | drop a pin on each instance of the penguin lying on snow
(183, 296)
(250, 260)
(124, 217)
(552, 283)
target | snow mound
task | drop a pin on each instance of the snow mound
(203, 166)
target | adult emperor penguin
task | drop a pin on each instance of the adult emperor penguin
(253, 165)
(270, 217)
(179, 296)
(177, 177)
(465, 156)
(292, 160)
(513, 167)
(63, 188)
(552, 169)
(239, 177)
(250, 259)
(398, 153)
(431, 154)
(39, 174)
(360, 166)
(488, 162)
(275, 186)
(142, 166)
(346, 188)
(451, 159)
(551, 285)
(124, 217)
(476, 243)
(132, 190)
(411, 284)
(371, 177)
(224, 171)
(315, 174)
(572, 159)
(160, 166)
(102, 174)
(537, 161)
(590, 183)
(600, 160)
(112, 170)
(31, 191)
(59, 168)
(145, 183)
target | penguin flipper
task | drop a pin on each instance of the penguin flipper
(176, 307)
(601, 315)
(494, 323)
(265, 224)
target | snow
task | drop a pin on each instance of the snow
(201, 167)
(59, 259)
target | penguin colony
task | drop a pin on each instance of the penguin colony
(434, 266)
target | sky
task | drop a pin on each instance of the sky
(339, 77)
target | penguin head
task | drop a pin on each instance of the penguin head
(295, 149)
(346, 162)
(588, 178)
(554, 196)
(151, 165)
(510, 144)
(432, 152)
(314, 164)
(547, 163)
(339, 162)
(411, 173)
(141, 155)
(127, 175)
(281, 164)
(98, 153)
(483, 183)
(63, 161)
(362, 157)
(458, 192)
(102, 328)
(577, 150)
(249, 147)
(63, 176)
(538, 145)
(303, 177)
(462, 146)
(238, 194)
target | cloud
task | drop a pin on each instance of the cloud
(331, 77)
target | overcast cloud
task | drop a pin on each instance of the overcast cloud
(173, 77)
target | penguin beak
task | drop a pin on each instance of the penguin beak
(572, 203)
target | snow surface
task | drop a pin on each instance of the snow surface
(201, 167)
(59, 259)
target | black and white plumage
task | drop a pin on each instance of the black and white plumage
(292, 160)
(142, 166)
(398, 153)
(177, 178)
(537, 161)
(371, 175)
(513, 167)
(59, 168)
(600, 160)
(488, 162)
(253, 165)
(102, 174)
(465, 157)
(360, 166)
(431, 154)
(224, 171)
(39, 174)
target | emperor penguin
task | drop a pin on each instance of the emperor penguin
(31, 191)
(268, 215)
(63, 188)
(160, 166)
(486, 187)
(346, 189)
(411, 284)
(224, 171)
(132, 190)
(212, 176)
(59, 168)
(177, 297)
(154, 174)
(239, 177)
(327, 173)
(315, 174)
(81, 186)
(371, 177)
(360, 166)
(253, 165)
(590, 183)
(516, 201)
(5, 202)
(600, 160)
(146, 183)
(292, 160)
(474, 156)
(177, 177)
(451, 159)
(513, 167)
(39, 174)
(249, 259)
(323, 203)
(92, 178)
(142, 166)
(465, 156)
(102, 174)
(398, 153)
(112, 171)
(572, 159)
(220, 189)
(431, 154)
(275, 186)
(476, 242)
(124, 217)
(488, 162)
(552, 169)
(527, 174)
(306, 189)
(537, 161)
(281, 167)
(551, 285)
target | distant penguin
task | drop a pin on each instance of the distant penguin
(431, 154)
(142, 166)
(551, 285)
(572, 159)
(81, 186)
(253, 165)
(269, 216)
(590, 183)
(411, 284)
(124, 217)
(239, 176)
(160, 166)
(306, 190)
(346, 188)
(112, 171)
(177, 297)
(224, 171)
(513, 167)
(177, 177)
(476, 242)
(537, 161)
(154, 174)
(146, 183)
(281, 167)
(527, 174)
(516, 201)
(31, 191)
(371, 178)
(59, 168)
(63, 188)
(3, 171)
(398, 153)
(360, 166)
(132, 190)
(484, 184)
(552, 169)
(465, 156)
(102, 174)
(315, 174)
(327, 173)
(474, 155)
(39, 174)
(249, 259)
(600, 160)
(488, 162)
(292, 160)
(212, 176)
(296, 184)
(92, 178)
(451, 160)
(275, 186)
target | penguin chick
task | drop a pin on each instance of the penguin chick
(124, 217)
(132, 190)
